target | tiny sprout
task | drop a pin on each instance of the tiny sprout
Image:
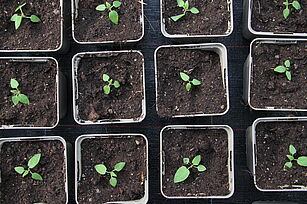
(17, 18)
(113, 15)
(31, 164)
(183, 172)
(185, 6)
(107, 88)
(18, 96)
(186, 78)
(284, 69)
(302, 161)
(286, 11)
(102, 169)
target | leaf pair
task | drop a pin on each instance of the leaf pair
(189, 84)
(185, 6)
(102, 169)
(113, 15)
(33, 162)
(302, 160)
(286, 11)
(284, 69)
(107, 88)
(17, 18)
(18, 96)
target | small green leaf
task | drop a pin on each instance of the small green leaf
(34, 160)
(25, 173)
(19, 169)
(101, 169)
(101, 7)
(286, 3)
(181, 174)
(196, 82)
(23, 99)
(15, 100)
(14, 17)
(288, 74)
(113, 16)
(201, 168)
(196, 160)
(296, 5)
(18, 21)
(19, 7)
(37, 176)
(108, 5)
(176, 18)
(292, 149)
(288, 164)
(113, 181)
(105, 77)
(117, 4)
(280, 69)
(186, 5)
(186, 160)
(113, 174)
(14, 91)
(180, 3)
(184, 76)
(287, 63)
(188, 86)
(286, 13)
(116, 84)
(194, 10)
(119, 166)
(107, 89)
(14, 83)
(290, 157)
(35, 19)
(302, 161)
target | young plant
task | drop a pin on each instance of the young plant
(185, 8)
(284, 69)
(294, 4)
(190, 82)
(302, 160)
(113, 15)
(183, 172)
(18, 96)
(107, 88)
(102, 169)
(17, 18)
(31, 164)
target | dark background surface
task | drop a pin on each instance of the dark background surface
(239, 116)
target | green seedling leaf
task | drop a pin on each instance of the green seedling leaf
(288, 164)
(105, 77)
(194, 10)
(186, 5)
(108, 5)
(181, 174)
(296, 5)
(286, 3)
(34, 161)
(286, 12)
(107, 89)
(302, 161)
(201, 168)
(180, 3)
(18, 21)
(19, 169)
(196, 82)
(290, 157)
(280, 69)
(101, 7)
(113, 181)
(117, 4)
(288, 74)
(116, 84)
(15, 100)
(113, 174)
(119, 166)
(14, 17)
(186, 160)
(19, 7)
(292, 149)
(176, 18)
(188, 86)
(113, 16)
(23, 99)
(14, 83)
(101, 169)
(37, 176)
(184, 76)
(196, 160)
(287, 63)
(14, 91)
(35, 19)
(25, 173)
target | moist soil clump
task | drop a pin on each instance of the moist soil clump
(212, 145)
(37, 80)
(212, 18)
(95, 188)
(19, 190)
(271, 89)
(267, 16)
(173, 98)
(95, 26)
(45, 35)
(273, 140)
(124, 102)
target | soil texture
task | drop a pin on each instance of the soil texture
(124, 102)
(267, 16)
(95, 188)
(45, 35)
(273, 140)
(272, 89)
(19, 190)
(212, 19)
(212, 145)
(173, 98)
(95, 26)
(37, 80)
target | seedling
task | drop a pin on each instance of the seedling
(102, 169)
(31, 164)
(183, 172)
(302, 160)
(294, 4)
(18, 96)
(185, 7)
(107, 88)
(113, 15)
(284, 69)
(190, 82)
(17, 18)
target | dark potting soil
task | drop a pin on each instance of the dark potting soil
(212, 145)
(95, 26)
(45, 35)
(173, 99)
(19, 190)
(37, 80)
(272, 89)
(273, 140)
(267, 16)
(212, 18)
(95, 188)
(124, 102)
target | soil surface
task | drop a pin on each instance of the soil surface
(212, 145)
(267, 16)
(95, 26)
(124, 102)
(173, 98)
(36, 80)
(19, 190)
(45, 35)
(272, 89)
(273, 140)
(95, 188)
(212, 18)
